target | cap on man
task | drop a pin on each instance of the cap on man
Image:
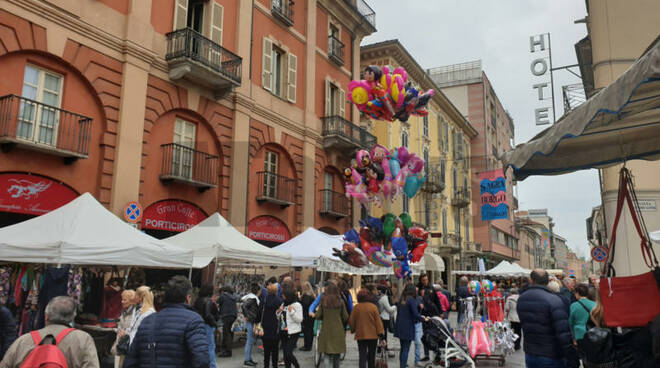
(78, 346)
(544, 319)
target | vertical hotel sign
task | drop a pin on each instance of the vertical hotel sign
(493, 195)
(540, 68)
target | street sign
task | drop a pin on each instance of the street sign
(599, 254)
(133, 212)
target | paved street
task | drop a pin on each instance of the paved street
(306, 359)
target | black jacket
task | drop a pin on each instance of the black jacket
(269, 320)
(208, 310)
(306, 301)
(227, 305)
(545, 325)
(172, 338)
(7, 330)
(251, 309)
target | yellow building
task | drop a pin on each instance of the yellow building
(618, 32)
(442, 139)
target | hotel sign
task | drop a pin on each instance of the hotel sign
(540, 67)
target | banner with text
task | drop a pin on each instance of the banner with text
(493, 195)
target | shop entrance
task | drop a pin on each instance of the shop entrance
(268, 231)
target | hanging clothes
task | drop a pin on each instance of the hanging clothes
(93, 286)
(111, 306)
(5, 285)
(56, 281)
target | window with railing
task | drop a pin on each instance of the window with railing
(186, 164)
(283, 10)
(336, 49)
(334, 203)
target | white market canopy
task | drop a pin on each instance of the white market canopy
(621, 122)
(83, 232)
(503, 269)
(216, 237)
(313, 248)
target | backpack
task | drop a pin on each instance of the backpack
(46, 353)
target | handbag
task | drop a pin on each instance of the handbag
(381, 359)
(122, 345)
(641, 292)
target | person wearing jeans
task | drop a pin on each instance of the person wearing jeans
(407, 316)
(228, 314)
(419, 331)
(366, 325)
(206, 307)
(293, 311)
(252, 307)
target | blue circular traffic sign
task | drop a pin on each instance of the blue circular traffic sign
(133, 212)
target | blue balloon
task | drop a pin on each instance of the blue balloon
(395, 165)
(400, 246)
(413, 183)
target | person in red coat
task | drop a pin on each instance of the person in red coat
(495, 305)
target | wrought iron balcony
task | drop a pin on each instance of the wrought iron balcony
(275, 189)
(283, 10)
(36, 126)
(335, 50)
(451, 242)
(461, 198)
(334, 204)
(364, 10)
(344, 135)
(433, 183)
(199, 60)
(472, 248)
(187, 165)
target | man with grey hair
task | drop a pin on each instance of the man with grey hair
(568, 289)
(77, 346)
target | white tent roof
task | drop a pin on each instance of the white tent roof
(84, 232)
(521, 269)
(313, 248)
(216, 237)
(505, 268)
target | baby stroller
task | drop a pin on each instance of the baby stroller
(449, 354)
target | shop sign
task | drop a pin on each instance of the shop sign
(646, 204)
(266, 228)
(32, 194)
(172, 215)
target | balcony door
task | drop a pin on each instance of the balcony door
(270, 174)
(327, 192)
(39, 122)
(183, 149)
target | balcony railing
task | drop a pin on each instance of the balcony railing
(199, 60)
(451, 241)
(334, 204)
(433, 183)
(283, 10)
(37, 126)
(342, 134)
(335, 50)
(364, 10)
(275, 188)
(461, 197)
(186, 165)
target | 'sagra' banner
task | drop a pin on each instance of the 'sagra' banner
(493, 195)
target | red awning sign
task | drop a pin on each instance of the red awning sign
(172, 215)
(267, 228)
(32, 194)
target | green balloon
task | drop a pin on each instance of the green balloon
(388, 225)
(406, 219)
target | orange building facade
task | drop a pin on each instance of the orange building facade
(188, 107)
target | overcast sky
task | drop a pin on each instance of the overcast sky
(442, 32)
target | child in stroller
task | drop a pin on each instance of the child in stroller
(438, 337)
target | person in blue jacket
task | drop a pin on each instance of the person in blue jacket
(175, 337)
(407, 316)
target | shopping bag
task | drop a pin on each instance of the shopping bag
(630, 301)
(381, 359)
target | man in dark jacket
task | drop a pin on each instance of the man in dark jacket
(228, 314)
(7, 330)
(206, 307)
(174, 337)
(462, 294)
(548, 341)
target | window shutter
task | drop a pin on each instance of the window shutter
(180, 14)
(342, 103)
(267, 65)
(217, 14)
(327, 98)
(292, 77)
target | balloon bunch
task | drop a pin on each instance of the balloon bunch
(385, 95)
(389, 241)
(382, 174)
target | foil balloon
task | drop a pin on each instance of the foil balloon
(487, 286)
(401, 269)
(351, 254)
(474, 287)
(380, 258)
(406, 219)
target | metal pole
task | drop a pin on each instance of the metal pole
(552, 80)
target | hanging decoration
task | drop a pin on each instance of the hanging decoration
(389, 241)
(382, 174)
(493, 195)
(388, 95)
